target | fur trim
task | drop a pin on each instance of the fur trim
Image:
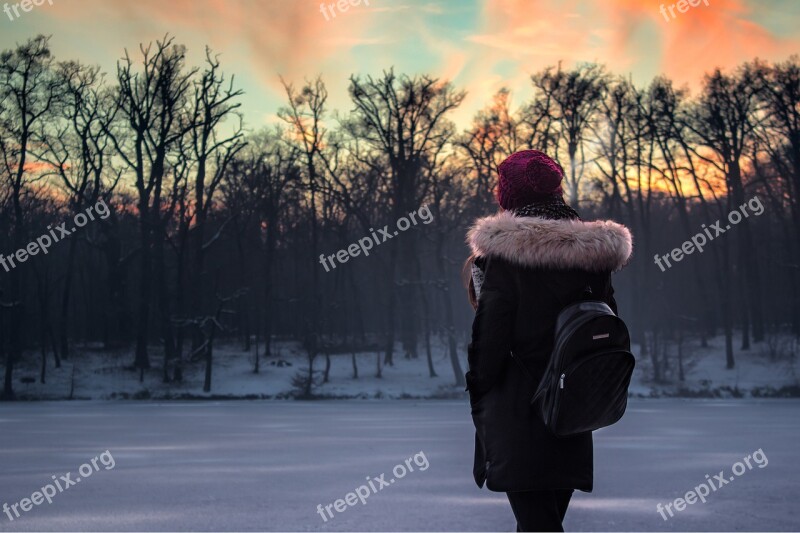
(539, 242)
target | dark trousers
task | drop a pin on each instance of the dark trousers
(540, 510)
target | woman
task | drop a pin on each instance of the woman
(527, 263)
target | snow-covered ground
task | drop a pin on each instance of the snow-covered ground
(99, 375)
(93, 374)
(256, 465)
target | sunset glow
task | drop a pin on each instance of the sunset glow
(481, 46)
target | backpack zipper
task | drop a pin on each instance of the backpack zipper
(567, 330)
(561, 381)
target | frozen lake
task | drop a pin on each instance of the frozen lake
(267, 465)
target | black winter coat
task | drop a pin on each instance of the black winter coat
(532, 267)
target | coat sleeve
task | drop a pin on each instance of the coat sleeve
(492, 329)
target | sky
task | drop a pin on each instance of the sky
(479, 45)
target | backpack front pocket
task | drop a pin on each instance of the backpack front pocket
(592, 393)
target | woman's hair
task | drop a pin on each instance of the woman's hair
(466, 278)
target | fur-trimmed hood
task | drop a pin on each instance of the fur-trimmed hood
(565, 244)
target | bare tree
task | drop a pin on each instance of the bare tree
(571, 102)
(780, 138)
(28, 91)
(725, 123)
(211, 151)
(150, 106)
(494, 135)
(403, 119)
(255, 192)
(77, 150)
(305, 114)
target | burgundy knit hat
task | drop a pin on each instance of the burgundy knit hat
(527, 176)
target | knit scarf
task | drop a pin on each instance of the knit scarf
(553, 208)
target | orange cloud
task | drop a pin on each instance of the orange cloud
(722, 36)
(276, 37)
(629, 34)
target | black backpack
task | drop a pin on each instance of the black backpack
(585, 385)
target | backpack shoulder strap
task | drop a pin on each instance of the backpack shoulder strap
(585, 295)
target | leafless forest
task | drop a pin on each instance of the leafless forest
(216, 226)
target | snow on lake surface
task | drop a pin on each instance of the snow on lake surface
(266, 465)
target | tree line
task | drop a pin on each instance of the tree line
(216, 228)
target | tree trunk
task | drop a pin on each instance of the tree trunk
(142, 361)
(64, 318)
(54, 346)
(209, 366)
(257, 366)
(390, 311)
(747, 255)
(8, 382)
(449, 321)
(163, 297)
(426, 319)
